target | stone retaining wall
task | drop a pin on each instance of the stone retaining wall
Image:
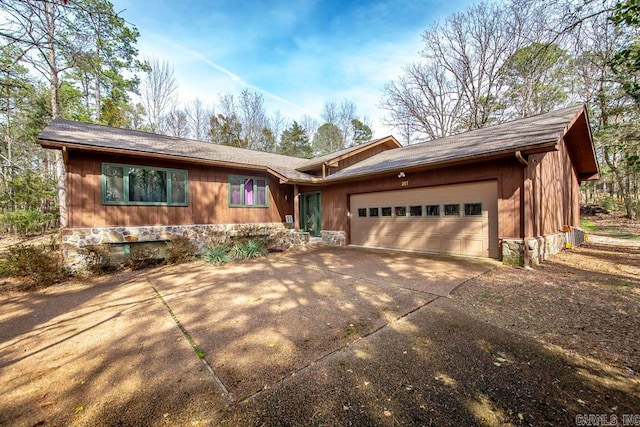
(337, 238)
(540, 248)
(275, 234)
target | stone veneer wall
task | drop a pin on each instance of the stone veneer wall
(540, 248)
(74, 239)
(337, 238)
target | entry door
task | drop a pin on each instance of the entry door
(311, 214)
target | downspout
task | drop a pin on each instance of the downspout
(523, 199)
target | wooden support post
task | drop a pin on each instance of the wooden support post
(296, 208)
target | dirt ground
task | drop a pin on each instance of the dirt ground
(390, 346)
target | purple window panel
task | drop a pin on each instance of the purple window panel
(248, 192)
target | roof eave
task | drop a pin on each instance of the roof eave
(538, 148)
(59, 145)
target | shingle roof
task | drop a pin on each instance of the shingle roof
(503, 138)
(92, 135)
(516, 135)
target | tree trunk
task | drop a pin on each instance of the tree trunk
(623, 184)
(55, 108)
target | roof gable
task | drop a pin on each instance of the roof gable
(333, 158)
(541, 132)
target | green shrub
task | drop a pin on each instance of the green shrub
(255, 248)
(98, 258)
(252, 248)
(218, 254)
(607, 203)
(180, 249)
(38, 264)
(143, 257)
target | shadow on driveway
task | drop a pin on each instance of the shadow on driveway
(297, 336)
(261, 321)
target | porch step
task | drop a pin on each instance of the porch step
(315, 240)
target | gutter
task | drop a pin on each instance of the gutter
(333, 179)
(64, 146)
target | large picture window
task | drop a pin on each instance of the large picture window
(142, 185)
(248, 191)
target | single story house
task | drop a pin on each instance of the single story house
(508, 191)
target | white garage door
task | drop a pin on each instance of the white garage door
(455, 219)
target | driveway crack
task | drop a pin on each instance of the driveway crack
(193, 344)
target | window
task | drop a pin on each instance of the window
(386, 211)
(247, 191)
(362, 212)
(401, 210)
(373, 211)
(415, 210)
(452, 210)
(432, 210)
(473, 209)
(142, 185)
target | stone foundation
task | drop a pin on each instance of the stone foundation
(275, 234)
(336, 238)
(540, 248)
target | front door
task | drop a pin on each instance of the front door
(311, 214)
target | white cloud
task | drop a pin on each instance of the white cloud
(277, 49)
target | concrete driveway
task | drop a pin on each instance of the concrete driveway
(144, 346)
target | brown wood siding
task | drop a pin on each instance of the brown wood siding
(356, 158)
(507, 172)
(351, 160)
(208, 197)
(554, 193)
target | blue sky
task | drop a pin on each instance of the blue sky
(298, 53)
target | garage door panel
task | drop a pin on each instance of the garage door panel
(433, 245)
(451, 246)
(470, 235)
(432, 226)
(475, 227)
(452, 226)
(474, 247)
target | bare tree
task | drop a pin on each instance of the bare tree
(198, 118)
(457, 85)
(425, 102)
(330, 113)
(277, 124)
(253, 118)
(346, 115)
(310, 125)
(176, 123)
(340, 115)
(158, 91)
